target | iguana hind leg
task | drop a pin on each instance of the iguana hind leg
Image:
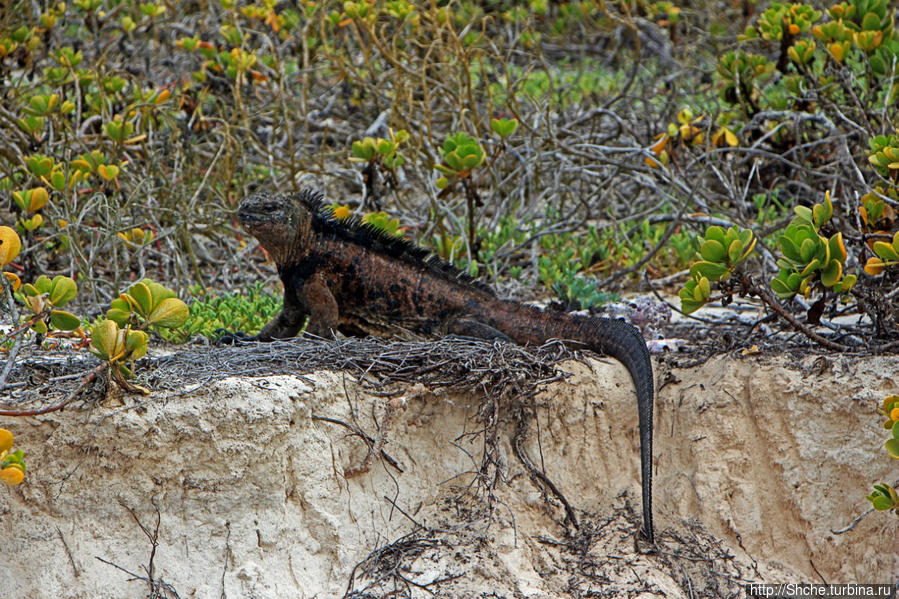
(469, 327)
(321, 307)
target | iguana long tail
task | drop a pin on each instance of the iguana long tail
(611, 337)
(625, 343)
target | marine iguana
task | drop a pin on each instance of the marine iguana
(350, 277)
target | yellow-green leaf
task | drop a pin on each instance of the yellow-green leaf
(832, 273)
(704, 289)
(136, 344)
(140, 297)
(710, 270)
(886, 251)
(105, 339)
(821, 213)
(735, 251)
(170, 313)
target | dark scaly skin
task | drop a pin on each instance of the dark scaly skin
(349, 277)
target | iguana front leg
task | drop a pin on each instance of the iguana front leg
(288, 322)
(314, 300)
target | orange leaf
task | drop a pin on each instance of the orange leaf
(874, 266)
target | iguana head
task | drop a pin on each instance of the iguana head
(278, 222)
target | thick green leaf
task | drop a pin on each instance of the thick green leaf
(790, 249)
(832, 273)
(42, 284)
(709, 270)
(363, 149)
(804, 214)
(712, 250)
(805, 286)
(64, 321)
(870, 22)
(810, 268)
(472, 160)
(690, 306)
(808, 249)
(747, 237)
(716, 233)
(880, 502)
(62, 290)
(120, 317)
(454, 161)
(886, 251)
(892, 447)
(821, 213)
(703, 290)
(141, 298)
(735, 251)
(879, 160)
(846, 284)
(385, 147)
(504, 127)
(781, 288)
(157, 292)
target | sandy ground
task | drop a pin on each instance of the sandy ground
(758, 460)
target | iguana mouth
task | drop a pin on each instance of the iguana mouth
(257, 210)
(251, 217)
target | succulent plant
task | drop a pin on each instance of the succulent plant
(887, 256)
(721, 251)
(369, 149)
(504, 127)
(884, 498)
(148, 302)
(31, 200)
(116, 345)
(783, 20)
(740, 72)
(461, 153)
(808, 257)
(44, 298)
(884, 155)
